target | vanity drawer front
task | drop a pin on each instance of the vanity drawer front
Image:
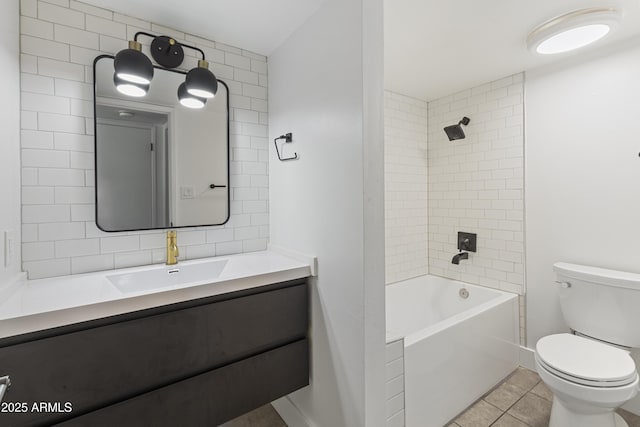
(214, 397)
(96, 367)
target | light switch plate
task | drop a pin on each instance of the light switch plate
(186, 192)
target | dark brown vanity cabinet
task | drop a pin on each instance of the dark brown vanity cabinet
(195, 363)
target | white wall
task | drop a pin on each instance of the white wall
(326, 88)
(582, 174)
(405, 187)
(10, 140)
(59, 41)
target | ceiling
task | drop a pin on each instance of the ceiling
(259, 26)
(434, 48)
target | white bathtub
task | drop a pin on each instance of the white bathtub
(455, 349)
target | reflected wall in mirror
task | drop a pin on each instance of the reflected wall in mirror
(158, 163)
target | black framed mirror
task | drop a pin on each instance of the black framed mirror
(158, 163)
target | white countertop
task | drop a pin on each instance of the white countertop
(33, 305)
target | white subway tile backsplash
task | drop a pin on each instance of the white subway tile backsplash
(91, 10)
(73, 89)
(66, 177)
(82, 55)
(254, 91)
(82, 212)
(45, 103)
(45, 158)
(74, 195)
(60, 230)
(75, 248)
(119, 244)
(36, 28)
(61, 69)
(76, 37)
(29, 233)
(112, 45)
(132, 259)
(36, 139)
(236, 60)
(37, 195)
(60, 39)
(29, 8)
(106, 26)
(28, 120)
(47, 268)
(61, 123)
(37, 251)
(29, 176)
(86, 264)
(44, 48)
(200, 251)
(139, 23)
(228, 248)
(60, 15)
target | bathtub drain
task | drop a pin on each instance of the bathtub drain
(464, 294)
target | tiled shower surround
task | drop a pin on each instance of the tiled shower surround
(476, 184)
(59, 40)
(435, 187)
(405, 163)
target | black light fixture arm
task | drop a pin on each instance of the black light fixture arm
(288, 137)
(144, 33)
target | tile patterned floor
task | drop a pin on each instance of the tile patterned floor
(521, 400)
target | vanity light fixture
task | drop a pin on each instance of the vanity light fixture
(134, 70)
(132, 65)
(201, 82)
(128, 88)
(573, 30)
(189, 100)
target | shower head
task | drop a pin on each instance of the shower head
(455, 131)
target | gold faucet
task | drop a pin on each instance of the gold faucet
(172, 247)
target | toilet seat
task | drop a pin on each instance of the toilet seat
(585, 361)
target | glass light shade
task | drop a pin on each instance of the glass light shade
(129, 88)
(132, 65)
(201, 82)
(574, 38)
(573, 30)
(188, 100)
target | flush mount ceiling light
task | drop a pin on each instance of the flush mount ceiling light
(573, 30)
(189, 100)
(134, 70)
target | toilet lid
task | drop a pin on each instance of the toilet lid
(586, 361)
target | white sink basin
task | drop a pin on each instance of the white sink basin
(166, 276)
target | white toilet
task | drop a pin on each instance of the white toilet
(591, 373)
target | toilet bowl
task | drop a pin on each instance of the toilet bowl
(589, 380)
(590, 373)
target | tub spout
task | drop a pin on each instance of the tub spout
(462, 255)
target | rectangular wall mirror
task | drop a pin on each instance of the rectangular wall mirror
(159, 164)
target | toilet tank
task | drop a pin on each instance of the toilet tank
(600, 303)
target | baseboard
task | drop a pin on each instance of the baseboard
(527, 358)
(290, 413)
